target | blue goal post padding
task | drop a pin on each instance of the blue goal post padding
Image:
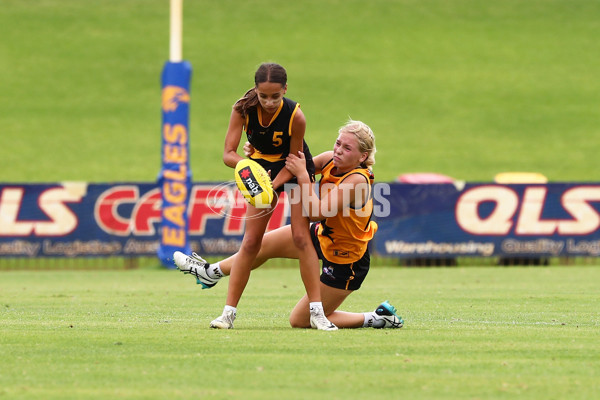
(175, 176)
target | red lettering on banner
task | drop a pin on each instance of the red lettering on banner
(147, 212)
(235, 220)
(202, 208)
(106, 213)
(227, 203)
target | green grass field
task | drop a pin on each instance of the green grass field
(470, 333)
(467, 88)
(464, 88)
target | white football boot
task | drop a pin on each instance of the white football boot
(386, 313)
(225, 321)
(197, 266)
(319, 321)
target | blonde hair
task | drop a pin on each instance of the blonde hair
(365, 137)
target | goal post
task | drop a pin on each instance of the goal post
(175, 177)
(176, 31)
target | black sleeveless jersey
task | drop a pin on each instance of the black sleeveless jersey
(272, 142)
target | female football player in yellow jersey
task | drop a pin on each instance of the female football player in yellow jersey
(275, 127)
(340, 238)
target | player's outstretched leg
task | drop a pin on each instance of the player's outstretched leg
(198, 267)
(385, 316)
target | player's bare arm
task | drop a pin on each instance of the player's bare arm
(334, 199)
(321, 160)
(339, 197)
(296, 144)
(232, 139)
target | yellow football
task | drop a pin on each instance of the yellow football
(254, 183)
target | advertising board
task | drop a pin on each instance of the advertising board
(415, 220)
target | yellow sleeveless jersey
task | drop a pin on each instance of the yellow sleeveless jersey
(345, 236)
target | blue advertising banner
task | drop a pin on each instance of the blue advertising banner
(78, 219)
(432, 220)
(122, 219)
(441, 220)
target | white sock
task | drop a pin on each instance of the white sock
(214, 271)
(372, 321)
(230, 308)
(316, 306)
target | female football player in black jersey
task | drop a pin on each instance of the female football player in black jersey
(340, 237)
(275, 127)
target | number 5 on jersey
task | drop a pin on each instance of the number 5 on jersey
(277, 141)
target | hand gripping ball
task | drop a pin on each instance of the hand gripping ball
(254, 183)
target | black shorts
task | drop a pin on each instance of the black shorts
(341, 276)
(276, 166)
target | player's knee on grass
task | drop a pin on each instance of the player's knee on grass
(300, 317)
(296, 322)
